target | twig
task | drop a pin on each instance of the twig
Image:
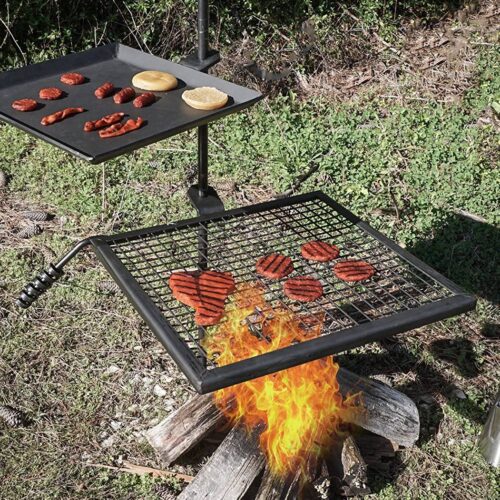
(14, 40)
(470, 215)
(131, 468)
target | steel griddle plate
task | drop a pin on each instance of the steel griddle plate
(404, 294)
(116, 63)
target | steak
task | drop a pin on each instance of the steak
(205, 291)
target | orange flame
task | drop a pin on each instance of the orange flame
(300, 407)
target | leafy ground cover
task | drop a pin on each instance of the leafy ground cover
(419, 167)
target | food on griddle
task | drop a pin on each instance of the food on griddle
(303, 288)
(24, 105)
(319, 251)
(144, 100)
(104, 90)
(105, 121)
(121, 128)
(353, 270)
(72, 78)
(158, 81)
(207, 98)
(60, 115)
(50, 93)
(125, 95)
(205, 291)
(274, 266)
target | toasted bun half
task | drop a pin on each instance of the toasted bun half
(205, 98)
(154, 80)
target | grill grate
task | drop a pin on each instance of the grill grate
(402, 287)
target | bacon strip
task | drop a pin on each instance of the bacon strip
(60, 115)
(105, 121)
(121, 128)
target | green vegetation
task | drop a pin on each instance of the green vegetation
(410, 170)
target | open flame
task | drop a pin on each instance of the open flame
(301, 407)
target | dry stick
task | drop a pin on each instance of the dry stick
(387, 412)
(131, 468)
(231, 469)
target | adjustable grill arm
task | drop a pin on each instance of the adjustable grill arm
(46, 279)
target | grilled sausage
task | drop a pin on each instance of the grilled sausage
(104, 90)
(72, 78)
(121, 128)
(24, 105)
(144, 100)
(105, 121)
(50, 94)
(125, 95)
(60, 115)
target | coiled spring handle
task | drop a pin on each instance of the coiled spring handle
(47, 278)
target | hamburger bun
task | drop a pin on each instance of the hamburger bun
(154, 80)
(207, 98)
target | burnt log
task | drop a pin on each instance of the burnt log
(185, 427)
(278, 487)
(231, 469)
(385, 412)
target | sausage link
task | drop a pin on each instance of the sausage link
(125, 95)
(105, 121)
(60, 115)
(104, 90)
(121, 128)
(144, 100)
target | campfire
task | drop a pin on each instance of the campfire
(300, 408)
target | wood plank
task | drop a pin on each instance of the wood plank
(231, 469)
(184, 428)
(279, 488)
(387, 412)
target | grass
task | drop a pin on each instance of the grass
(406, 169)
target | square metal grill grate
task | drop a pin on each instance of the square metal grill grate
(403, 294)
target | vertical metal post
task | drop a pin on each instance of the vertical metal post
(202, 29)
(202, 160)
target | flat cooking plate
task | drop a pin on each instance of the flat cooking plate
(116, 63)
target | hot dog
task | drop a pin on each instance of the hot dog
(105, 121)
(60, 115)
(144, 100)
(121, 128)
(104, 90)
(125, 95)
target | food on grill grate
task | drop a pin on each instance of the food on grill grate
(50, 93)
(207, 98)
(24, 105)
(60, 115)
(144, 100)
(319, 251)
(353, 270)
(105, 121)
(104, 90)
(303, 288)
(72, 78)
(274, 266)
(204, 291)
(121, 128)
(125, 95)
(154, 80)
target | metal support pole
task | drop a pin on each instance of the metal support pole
(202, 29)
(202, 160)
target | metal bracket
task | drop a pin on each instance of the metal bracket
(205, 205)
(192, 61)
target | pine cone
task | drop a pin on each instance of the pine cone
(29, 231)
(12, 417)
(108, 286)
(3, 179)
(36, 215)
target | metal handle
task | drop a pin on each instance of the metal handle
(47, 278)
